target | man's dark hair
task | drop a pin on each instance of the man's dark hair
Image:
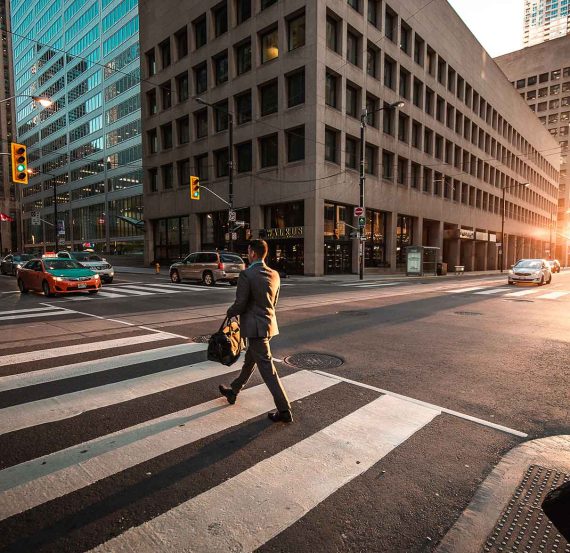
(259, 247)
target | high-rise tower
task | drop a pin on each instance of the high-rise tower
(545, 20)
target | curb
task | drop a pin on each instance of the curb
(470, 532)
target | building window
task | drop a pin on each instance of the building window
(403, 123)
(296, 88)
(165, 56)
(405, 38)
(521, 83)
(543, 92)
(371, 62)
(182, 87)
(152, 102)
(201, 123)
(370, 159)
(331, 84)
(331, 145)
(541, 106)
(243, 10)
(389, 120)
(352, 48)
(419, 47)
(269, 45)
(243, 107)
(201, 167)
(351, 153)
(183, 173)
(167, 177)
(296, 32)
(373, 13)
(352, 101)
(418, 93)
(201, 78)
(221, 161)
(389, 73)
(166, 95)
(269, 98)
(266, 3)
(152, 137)
(531, 95)
(200, 32)
(151, 63)
(332, 34)
(268, 150)
(402, 171)
(555, 89)
(153, 178)
(387, 165)
(183, 130)
(404, 83)
(295, 144)
(244, 157)
(221, 116)
(166, 131)
(543, 77)
(390, 29)
(243, 57)
(182, 43)
(221, 67)
(555, 75)
(531, 81)
(354, 4)
(220, 14)
(416, 134)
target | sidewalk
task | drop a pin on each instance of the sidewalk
(505, 514)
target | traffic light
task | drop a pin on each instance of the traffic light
(19, 163)
(194, 188)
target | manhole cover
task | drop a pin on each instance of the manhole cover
(467, 313)
(353, 313)
(313, 361)
(517, 299)
(202, 339)
(523, 526)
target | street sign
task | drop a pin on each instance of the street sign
(358, 211)
(361, 221)
(36, 220)
(234, 235)
(232, 216)
(61, 228)
(499, 244)
(239, 223)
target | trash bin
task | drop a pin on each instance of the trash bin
(441, 269)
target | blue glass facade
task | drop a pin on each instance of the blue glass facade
(84, 55)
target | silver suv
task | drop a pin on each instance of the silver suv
(209, 267)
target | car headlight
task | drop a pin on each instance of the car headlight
(96, 277)
(18, 266)
(59, 279)
(511, 272)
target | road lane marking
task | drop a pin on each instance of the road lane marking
(35, 482)
(492, 291)
(553, 295)
(32, 315)
(127, 290)
(52, 308)
(521, 293)
(70, 405)
(370, 284)
(74, 370)
(36, 355)
(428, 405)
(461, 290)
(154, 288)
(301, 476)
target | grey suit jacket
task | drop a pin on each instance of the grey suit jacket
(256, 297)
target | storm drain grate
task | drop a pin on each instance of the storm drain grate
(311, 361)
(467, 313)
(523, 526)
(204, 339)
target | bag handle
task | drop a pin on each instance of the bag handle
(226, 322)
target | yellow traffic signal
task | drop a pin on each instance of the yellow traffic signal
(194, 188)
(19, 163)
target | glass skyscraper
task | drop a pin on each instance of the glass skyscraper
(84, 55)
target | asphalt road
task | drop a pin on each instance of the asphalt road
(113, 437)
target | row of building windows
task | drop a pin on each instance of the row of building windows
(542, 78)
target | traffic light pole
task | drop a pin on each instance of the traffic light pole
(230, 176)
(363, 117)
(55, 225)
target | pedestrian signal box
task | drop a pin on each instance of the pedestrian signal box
(19, 163)
(194, 188)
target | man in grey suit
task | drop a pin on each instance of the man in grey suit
(256, 298)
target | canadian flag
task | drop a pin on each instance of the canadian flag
(4, 217)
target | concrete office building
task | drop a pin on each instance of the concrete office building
(296, 75)
(545, 20)
(541, 75)
(8, 192)
(85, 57)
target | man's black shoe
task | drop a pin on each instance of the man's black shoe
(281, 416)
(228, 393)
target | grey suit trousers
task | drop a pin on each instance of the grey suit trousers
(259, 353)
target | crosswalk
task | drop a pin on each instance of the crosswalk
(509, 292)
(32, 313)
(106, 440)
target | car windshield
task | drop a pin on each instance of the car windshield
(23, 257)
(529, 264)
(552, 262)
(226, 258)
(57, 264)
(85, 256)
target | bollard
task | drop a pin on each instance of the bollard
(157, 268)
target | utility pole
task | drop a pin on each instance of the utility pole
(55, 225)
(230, 176)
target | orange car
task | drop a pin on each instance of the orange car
(57, 276)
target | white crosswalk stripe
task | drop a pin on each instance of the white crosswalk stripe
(15, 314)
(347, 446)
(537, 293)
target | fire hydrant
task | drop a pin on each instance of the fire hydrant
(157, 268)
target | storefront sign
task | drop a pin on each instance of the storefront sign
(466, 234)
(287, 232)
(492, 237)
(483, 236)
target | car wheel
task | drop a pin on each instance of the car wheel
(549, 280)
(109, 280)
(46, 290)
(175, 277)
(208, 279)
(541, 283)
(23, 289)
(511, 283)
(233, 282)
(93, 291)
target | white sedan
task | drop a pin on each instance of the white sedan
(531, 271)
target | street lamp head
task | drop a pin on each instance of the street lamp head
(43, 101)
(200, 101)
(397, 105)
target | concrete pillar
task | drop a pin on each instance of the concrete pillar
(314, 236)
(418, 231)
(438, 239)
(492, 256)
(148, 241)
(454, 257)
(256, 220)
(391, 224)
(480, 256)
(195, 232)
(469, 254)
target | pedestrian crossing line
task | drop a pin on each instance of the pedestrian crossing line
(301, 477)
(492, 291)
(73, 370)
(129, 290)
(181, 287)
(35, 309)
(521, 293)
(461, 290)
(35, 355)
(554, 295)
(35, 482)
(39, 312)
(62, 407)
(154, 289)
(369, 284)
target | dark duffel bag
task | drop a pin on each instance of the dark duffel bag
(225, 345)
(556, 506)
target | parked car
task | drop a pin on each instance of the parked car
(532, 271)
(57, 276)
(12, 262)
(208, 267)
(91, 261)
(554, 265)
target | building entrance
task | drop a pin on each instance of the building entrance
(338, 257)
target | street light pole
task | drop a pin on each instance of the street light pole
(55, 225)
(363, 119)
